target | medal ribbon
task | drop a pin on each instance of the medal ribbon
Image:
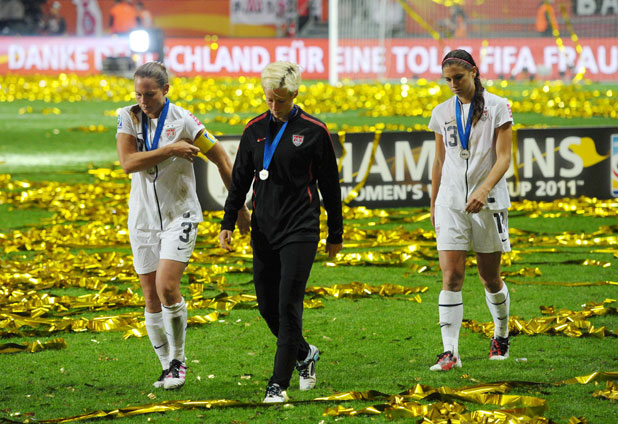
(158, 130)
(269, 148)
(464, 136)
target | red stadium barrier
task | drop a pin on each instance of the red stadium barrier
(410, 58)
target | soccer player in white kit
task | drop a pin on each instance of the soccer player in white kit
(470, 200)
(156, 142)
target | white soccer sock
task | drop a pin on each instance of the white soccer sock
(450, 308)
(499, 305)
(175, 322)
(157, 336)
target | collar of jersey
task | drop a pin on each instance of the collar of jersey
(295, 111)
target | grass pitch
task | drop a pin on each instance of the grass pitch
(368, 342)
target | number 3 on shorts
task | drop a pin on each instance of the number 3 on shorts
(186, 232)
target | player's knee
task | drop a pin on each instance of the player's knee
(169, 295)
(493, 284)
(152, 304)
(452, 280)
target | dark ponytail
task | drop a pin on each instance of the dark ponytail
(465, 60)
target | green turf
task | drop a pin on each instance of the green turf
(384, 344)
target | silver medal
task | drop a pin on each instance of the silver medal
(464, 154)
(263, 174)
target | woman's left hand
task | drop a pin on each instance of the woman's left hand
(184, 149)
(333, 248)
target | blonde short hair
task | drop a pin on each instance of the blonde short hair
(281, 75)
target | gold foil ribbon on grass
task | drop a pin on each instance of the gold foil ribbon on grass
(357, 289)
(594, 377)
(563, 322)
(446, 406)
(33, 347)
(610, 392)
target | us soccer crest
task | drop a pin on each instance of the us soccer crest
(298, 139)
(170, 132)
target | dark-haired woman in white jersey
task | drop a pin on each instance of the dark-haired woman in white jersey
(470, 200)
(156, 142)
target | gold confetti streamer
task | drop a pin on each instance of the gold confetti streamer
(578, 47)
(596, 376)
(447, 409)
(418, 18)
(373, 99)
(374, 147)
(36, 346)
(357, 289)
(610, 392)
(564, 322)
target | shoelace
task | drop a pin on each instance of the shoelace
(304, 369)
(274, 391)
(497, 348)
(174, 368)
(445, 356)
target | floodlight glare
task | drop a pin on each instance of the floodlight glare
(139, 41)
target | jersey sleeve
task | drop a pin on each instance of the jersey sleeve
(503, 113)
(126, 123)
(434, 124)
(192, 125)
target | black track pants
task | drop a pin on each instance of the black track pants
(280, 278)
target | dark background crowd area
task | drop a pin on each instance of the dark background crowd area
(31, 17)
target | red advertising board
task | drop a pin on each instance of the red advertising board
(397, 58)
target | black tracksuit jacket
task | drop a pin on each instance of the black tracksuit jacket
(286, 206)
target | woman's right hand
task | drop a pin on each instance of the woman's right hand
(244, 220)
(225, 240)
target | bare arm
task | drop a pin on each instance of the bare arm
(217, 155)
(131, 160)
(436, 174)
(504, 142)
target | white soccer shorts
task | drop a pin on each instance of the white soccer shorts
(483, 232)
(176, 243)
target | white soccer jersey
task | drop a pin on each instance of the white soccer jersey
(167, 191)
(460, 177)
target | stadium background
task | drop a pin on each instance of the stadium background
(66, 270)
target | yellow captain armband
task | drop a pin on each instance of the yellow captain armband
(205, 141)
